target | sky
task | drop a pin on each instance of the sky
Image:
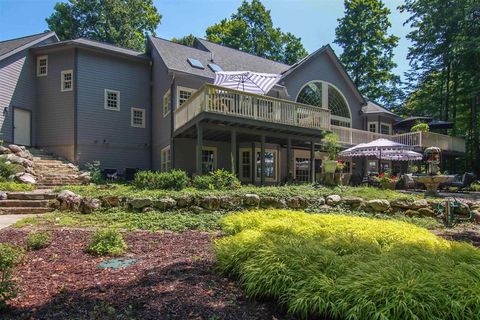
(312, 20)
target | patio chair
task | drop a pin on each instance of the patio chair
(462, 181)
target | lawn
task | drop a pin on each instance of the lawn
(350, 267)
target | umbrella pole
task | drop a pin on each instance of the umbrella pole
(380, 163)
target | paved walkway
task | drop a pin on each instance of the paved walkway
(7, 220)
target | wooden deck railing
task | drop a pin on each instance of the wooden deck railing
(215, 99)
(352, 137)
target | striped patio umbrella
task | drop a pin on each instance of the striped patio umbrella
(248, 81)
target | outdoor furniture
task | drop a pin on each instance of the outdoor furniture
(110, 174)
(462, 181)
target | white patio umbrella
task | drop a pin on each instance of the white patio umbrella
(248, 81)
(403, 155)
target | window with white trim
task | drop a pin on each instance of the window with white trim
(209, 159)
(167, 103)
(165, 159)
(385, 128)
(138, 118)
(66, 79)
(271, 164)
(372, 126)
(183, 94)
(42, 66)
(112, 100)
(302, 169)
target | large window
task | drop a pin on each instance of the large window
(165, 159)
(183, 94)
(167, 103)
(385, 128)
(245, 164)
(302, 169)
(209, 159)
(66, 80)
(42, 66)
(112, 100)
(271, 160)
(322, 94)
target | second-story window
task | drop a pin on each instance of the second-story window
(385, 128)
(66, 80)
(42, 66)
(138, 118)
(112, 100)
(183, 94)
(372, 126)
(167, 103)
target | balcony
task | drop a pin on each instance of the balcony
(242, 105)
(349, 136)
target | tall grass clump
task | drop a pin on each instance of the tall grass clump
(350, 267)
(171, 180)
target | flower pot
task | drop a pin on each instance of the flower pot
(329, 166)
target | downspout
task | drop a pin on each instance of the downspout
(150, 147)
(172, 122)
(75, 106)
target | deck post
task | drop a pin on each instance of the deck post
(289, 159)
(262, 161)
(199, 149)
(233, 152)
(312, 161)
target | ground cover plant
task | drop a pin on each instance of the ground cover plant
(350, 267)
(37, 240)
(9, 258)
(15, 186)
(107, 242)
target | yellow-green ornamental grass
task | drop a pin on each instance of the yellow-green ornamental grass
(350, 267)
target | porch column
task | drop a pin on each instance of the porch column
(199, 149)
(289, 160)
(233, 152)
(312, 161)
(262, 160)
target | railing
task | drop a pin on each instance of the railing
(215, 99)
(351, 136)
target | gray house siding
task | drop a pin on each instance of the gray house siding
(55, 116)
(323, 68)
(107, 135)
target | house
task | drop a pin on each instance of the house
(85, 100)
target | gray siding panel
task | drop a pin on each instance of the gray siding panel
(107, 135)
(55, 118)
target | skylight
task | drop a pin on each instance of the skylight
(195, 63)
(214, 67)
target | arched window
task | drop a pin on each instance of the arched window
(313, 92)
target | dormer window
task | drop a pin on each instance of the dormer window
(42, 66)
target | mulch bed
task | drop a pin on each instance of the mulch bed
(174, 278)
(462, 232)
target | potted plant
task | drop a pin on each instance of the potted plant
(331, 145)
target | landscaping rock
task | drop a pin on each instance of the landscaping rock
(426, 212)
(14, 148)
(90, 205)
(147, 209)
(164, 204)
(26, 178)
(185, 201)
(139, 203)
(379, 205)
(25, 155)
(4, 150)
(272, 202)
(230, 202)
(27, 163)
(69, 200)
(197, 209)
(210, 203)
(402, 203)
(110, 201)
(54, 203)
(13, 158)
(333, 200)
(298, 202)
(84, 177)
(476, 216)
(251, 200)
(418, 204)
(352, 202)
(3, 195)
(411, 213)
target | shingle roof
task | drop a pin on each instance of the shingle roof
(175, 57)
(83, 42)
(10, 46)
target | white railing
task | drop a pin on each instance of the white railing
(215, 99)
(351, 136)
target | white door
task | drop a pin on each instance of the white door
(21, 127)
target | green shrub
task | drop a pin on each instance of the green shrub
(15, 186)
(9, 258)
(475, 186)
(217, 180)
(171, 180)
(107, 242)
(420, 127)
(95, 171)
(350, 267)
(38, 240)
(6, 170)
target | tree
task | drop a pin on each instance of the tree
(186, 40)
(367, 54)
(251, 29)
(121, 22)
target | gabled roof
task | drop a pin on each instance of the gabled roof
(9, 47)
(327, 49)
(175, 57)
(97, 45)
(373, 107)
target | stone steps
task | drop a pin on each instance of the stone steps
(35, 195)
(24, 203)
(24, 210)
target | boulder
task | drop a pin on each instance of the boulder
(69, 200)
(4, 150)
(333, 200)
(210, 203)
(411, 213)
(110, 201)
(54, 203)
(26, 178)
(352, 202)
(197, 209)
(379, 205)
(185, 201)
(272, 202)
(13, 158)
(84, 177)
(30, 170)
(251, 200)
(476, 216)
(147, 209)
(90, 205)
(230, 202)
(297, 202)
(426, 212)
(164, 204)
(27, 163)
(3, 195)
(25, 155)
(402, 203)
(14, 148)
(139, 203)
(418, 204)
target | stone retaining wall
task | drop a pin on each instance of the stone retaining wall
(68, 200)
